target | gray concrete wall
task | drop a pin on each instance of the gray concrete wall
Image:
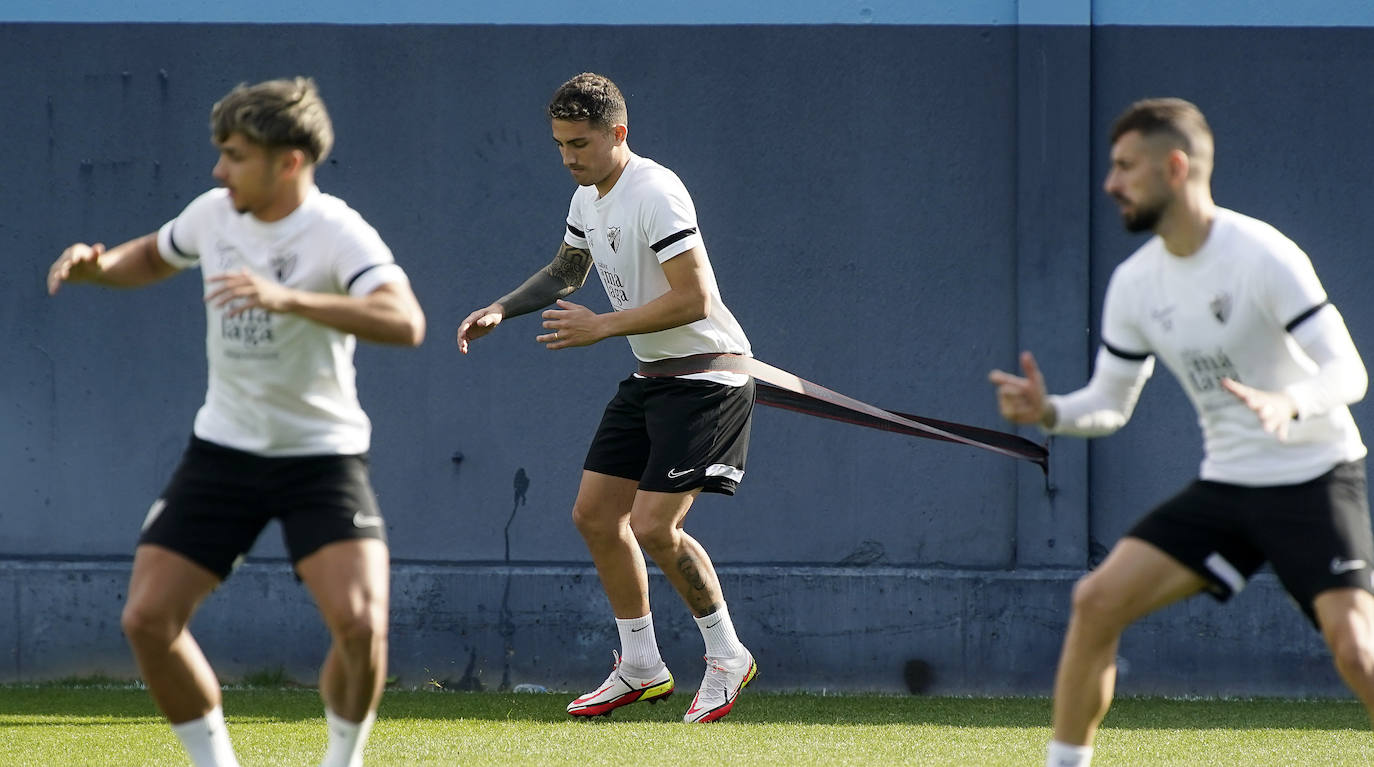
(464, 626)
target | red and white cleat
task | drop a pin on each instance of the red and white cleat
(720, 687)
(622, 688)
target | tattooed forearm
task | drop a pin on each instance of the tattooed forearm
(565, 274)
(571, 266)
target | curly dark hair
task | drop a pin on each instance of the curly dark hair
(590, 97)
(276, 114)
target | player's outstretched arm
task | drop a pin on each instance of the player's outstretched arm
(565, 274)
(1023, 399)
(130, 265)
(388, 315)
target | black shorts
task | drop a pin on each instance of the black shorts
(220, 499)
(675, 434)
(1316, 534)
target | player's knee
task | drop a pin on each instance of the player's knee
(1352, 651)
(1094, 602)
(592, 524)
(652, 535)
(580, 518)
(145, 625)
(360, 629)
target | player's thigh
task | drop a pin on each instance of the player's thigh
(165, 588)
(620, 446)
(212, 509)
(350, 581)
(1205, 529)
(1317, 535)
(335, 536)
(699, 432)
(1346, 617)
(1134, 580)
(321, 500)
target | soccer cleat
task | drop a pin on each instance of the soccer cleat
(720, 687)
(622, 689)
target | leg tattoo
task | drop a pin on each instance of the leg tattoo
(699, 597)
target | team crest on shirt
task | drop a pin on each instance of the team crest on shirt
(1221, 307)
(613, 237)
(282, 265)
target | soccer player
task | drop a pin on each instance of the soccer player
(292, 277)
(1235, 310)
(662, 440)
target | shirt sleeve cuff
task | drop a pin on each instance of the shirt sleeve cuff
(167, 248)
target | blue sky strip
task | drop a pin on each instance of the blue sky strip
(1247, 13)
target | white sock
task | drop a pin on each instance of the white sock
(1065, 755)
(207, 740)
(638, 647)
(719, 633)
(346, 740)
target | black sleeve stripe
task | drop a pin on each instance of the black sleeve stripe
(360, 272)
(672, 238)
(1125, 355)
(1298, 320)
(172, 238)
(577, 232)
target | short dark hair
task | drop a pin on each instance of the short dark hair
(1177, 120)
(276, 114)
(589, 97)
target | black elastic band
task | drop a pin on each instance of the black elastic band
(788, 391)
(577, 232)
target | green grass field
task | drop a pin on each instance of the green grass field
(95, 725)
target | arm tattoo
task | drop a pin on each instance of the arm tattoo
(565, 274)
(571, 266)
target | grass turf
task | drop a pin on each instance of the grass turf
(97, 725)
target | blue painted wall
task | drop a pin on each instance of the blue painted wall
(891, 210)
(820, 203)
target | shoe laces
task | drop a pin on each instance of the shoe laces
(717, 677)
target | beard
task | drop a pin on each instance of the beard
(1143, 219)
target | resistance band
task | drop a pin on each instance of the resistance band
(785, 390)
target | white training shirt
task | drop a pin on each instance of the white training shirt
(646, 219)
(1236, 308)
(279, 384)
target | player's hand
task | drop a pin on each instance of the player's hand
(570, 325)
(78, 263)
(478, 324)
(239, 291)
(1022, 399)
(1275, 408)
